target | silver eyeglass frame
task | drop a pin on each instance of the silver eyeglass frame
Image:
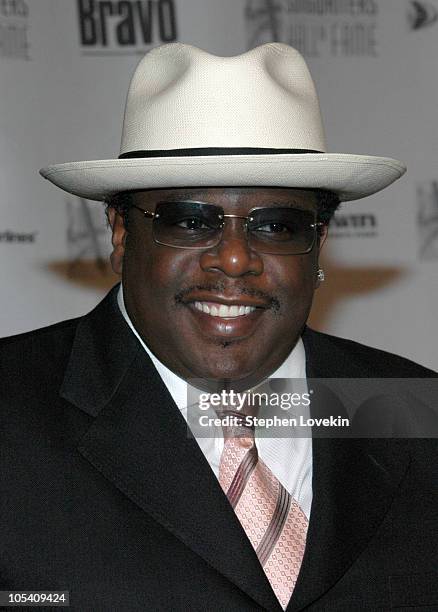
(153, 215)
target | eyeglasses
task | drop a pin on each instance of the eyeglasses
(198, 225)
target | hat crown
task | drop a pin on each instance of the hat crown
(196, 119)
(183, 97)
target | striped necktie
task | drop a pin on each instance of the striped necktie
(272, 519)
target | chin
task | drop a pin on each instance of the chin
(226, 368)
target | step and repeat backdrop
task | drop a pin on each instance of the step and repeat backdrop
(65, 66)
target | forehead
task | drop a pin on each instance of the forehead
(231, 197)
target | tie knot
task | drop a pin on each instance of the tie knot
(238, 425)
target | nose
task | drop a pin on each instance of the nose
(232, 256)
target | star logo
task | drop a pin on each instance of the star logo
(421, 14)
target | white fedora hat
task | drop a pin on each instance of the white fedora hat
(193, 119)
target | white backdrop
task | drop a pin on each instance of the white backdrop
(63, 83)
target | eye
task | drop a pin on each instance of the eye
(192, 223)
(273, 228)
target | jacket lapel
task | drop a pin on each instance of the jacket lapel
(139, 441)
(354, 483)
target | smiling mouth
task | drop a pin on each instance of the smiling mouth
(226, 318)
(214, 309)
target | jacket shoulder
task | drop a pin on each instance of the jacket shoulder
(37, 356)
(39, 337)
(348, 357)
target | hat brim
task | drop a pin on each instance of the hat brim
(350, 176)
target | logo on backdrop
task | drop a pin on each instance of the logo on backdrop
(358, 225)
(427, 220)
(317, 28)
(14, 29)
(421, 14)
(11, 237)
(88, 246)
(125, 27)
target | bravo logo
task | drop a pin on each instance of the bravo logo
(109, 25)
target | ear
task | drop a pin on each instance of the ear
(321, 241)
(118, 240)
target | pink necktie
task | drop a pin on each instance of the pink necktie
(273, 521)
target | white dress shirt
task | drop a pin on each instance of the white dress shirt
(289, 459)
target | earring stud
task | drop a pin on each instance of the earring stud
(320, 275)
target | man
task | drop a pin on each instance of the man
(219, 205)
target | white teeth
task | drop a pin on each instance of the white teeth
(224, 310)
(221, 310)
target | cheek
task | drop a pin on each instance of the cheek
(155, 271)
(292, 281)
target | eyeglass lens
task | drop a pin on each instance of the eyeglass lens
(199, 225)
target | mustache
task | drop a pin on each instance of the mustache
(221, 287)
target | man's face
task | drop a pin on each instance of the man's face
(164, 287)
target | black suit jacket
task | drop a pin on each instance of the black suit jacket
(104, 494)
